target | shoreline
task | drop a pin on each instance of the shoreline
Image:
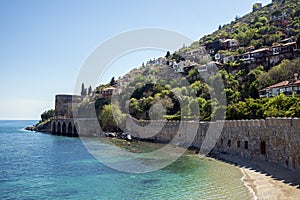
(265, 180)
(248, 182)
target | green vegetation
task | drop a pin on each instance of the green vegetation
(107, 119)
(173, 99)
(47, 115)
(284, 71)
(279, 106)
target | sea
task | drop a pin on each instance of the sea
(42, 166)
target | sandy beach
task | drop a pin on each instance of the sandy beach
(266, 181)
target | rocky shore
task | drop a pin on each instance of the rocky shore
(39, 127)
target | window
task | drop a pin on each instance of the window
(246, 144)
(263, 147)
(229, 143)
(238, 144)
(295, 88)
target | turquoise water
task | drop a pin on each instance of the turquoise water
(41, 166)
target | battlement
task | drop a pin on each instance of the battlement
(276, 140)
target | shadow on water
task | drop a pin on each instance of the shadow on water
(184, 165)
(275, 171)
(150, 181)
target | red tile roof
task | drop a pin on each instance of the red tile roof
(109, 88)
(284, 84)
(281, 84)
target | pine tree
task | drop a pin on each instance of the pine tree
(83, 90)
(168, 54)
(90, 90)
(112, 81)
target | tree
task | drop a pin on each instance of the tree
(112, 81)
(168, 54)
(135, 108)
(90, 90)
(297, 12)
(83, 90)
(298, 38)
(119, 117)
(237, 111)
(263, 20)
(279, 105)
(294, 110)
(107, 119)
(282, 72)
(47, 115)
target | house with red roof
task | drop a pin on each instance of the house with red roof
(106, 93)
(288, 88)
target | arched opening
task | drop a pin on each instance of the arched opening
(58, 130)
(75, 131)
(54, 127)
(70, 129)
(64, 129)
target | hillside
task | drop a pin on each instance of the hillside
(262, 27)
(247, 55)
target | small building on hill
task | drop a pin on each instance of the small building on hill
(257, 6)
(288, 88)
(231, 43)
(106, 93)
(279, 19)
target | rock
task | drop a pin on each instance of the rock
(30, 128)
(129, 138)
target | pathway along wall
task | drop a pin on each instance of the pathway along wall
(276, 140)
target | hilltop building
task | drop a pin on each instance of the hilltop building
(106, 93)
(257, 6)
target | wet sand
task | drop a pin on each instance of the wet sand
(266, 181)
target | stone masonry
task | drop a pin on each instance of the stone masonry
(276, 140)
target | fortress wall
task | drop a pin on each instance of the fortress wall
(88, 127)
(276, 140)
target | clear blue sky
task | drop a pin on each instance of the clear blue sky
(44, 43)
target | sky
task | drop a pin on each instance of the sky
(44, 43)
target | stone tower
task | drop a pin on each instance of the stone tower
(63, 105)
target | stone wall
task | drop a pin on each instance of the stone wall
(64, 103)
(74, 127)
(276, 140)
